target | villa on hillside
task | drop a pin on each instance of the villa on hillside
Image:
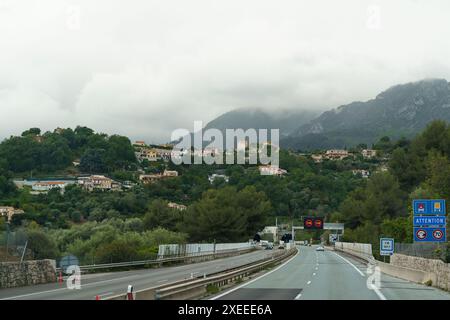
(46, 186)
(9, 212)
(317, 158)
(369, 153)
(336, 154)
(272, 171)
(150, 178)
(176, 206)
(98, 182)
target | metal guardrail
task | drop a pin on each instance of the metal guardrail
(191, 288)
(160, 261)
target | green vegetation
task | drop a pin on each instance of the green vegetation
(53, 151)
(417, 169)
(118, 226)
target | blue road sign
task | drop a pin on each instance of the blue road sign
(429, 234)
(437, 207)
(424, 206)
(386, 246)
(422, 221)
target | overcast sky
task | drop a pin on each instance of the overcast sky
(143, 68)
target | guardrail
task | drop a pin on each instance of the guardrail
(189, 258)
(191, 288)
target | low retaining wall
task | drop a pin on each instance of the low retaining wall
(16, 274)
(360, 250)
(414, 269)
(406, 273)
(440, 269)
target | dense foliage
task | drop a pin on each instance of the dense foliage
(53, 151)
(114, 226)
(417, 169)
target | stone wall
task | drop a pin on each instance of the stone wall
(16, 274)
(438, 267)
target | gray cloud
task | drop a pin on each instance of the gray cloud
(143, 68)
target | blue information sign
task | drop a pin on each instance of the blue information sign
(386, 246)
(429, 221)
(431, 207)
(429, 234)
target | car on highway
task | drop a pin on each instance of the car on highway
(320, 248)
(269, 246)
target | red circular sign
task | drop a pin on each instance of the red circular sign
(309, 223)
(421, 234)
(438, 234)
(318, 223)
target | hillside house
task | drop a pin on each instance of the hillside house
(369, 153)
(9, 212)
(272, 171)
(98, 182)
(176, 206)
(336, 154)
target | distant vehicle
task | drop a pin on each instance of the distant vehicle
(264, 243)
(269, 246)
(320, 248)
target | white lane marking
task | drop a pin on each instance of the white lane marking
(309, 282)
(314, 274)
(297, 297)
(106, 294)
(359, 271)
(251, 281)
(378, 292)
(317, 268)
(165, 280)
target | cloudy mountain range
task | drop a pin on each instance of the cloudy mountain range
(400, 111)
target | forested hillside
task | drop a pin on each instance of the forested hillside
(106, 226)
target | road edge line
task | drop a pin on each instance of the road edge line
(359, 271)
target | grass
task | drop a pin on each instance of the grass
(212, 289)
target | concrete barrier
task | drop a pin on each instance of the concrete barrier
(359, 250)
(364, 251)
(413, 275)
(434, 266)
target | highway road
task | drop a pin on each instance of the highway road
(327, 275)
(114, 283)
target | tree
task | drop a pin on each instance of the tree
(31, 132)
(438, 179)
(41, 244)
(226, 215)
(120, 152)
(160, 215)
(435, 135)
(93, 161)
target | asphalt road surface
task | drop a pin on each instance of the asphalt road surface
(327, 275)
(114, 283)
